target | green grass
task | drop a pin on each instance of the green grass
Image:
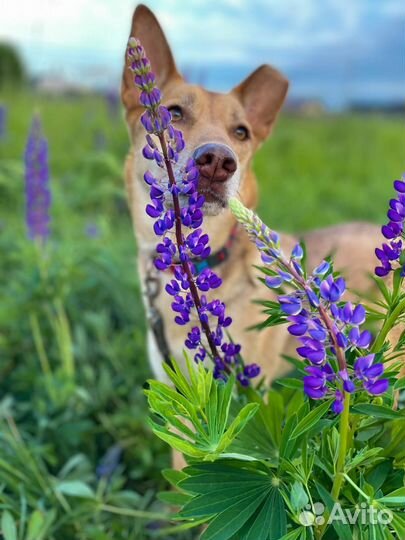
(321, 171)
(59, 415)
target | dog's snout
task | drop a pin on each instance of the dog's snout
(216, 162)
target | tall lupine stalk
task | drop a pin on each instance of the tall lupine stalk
(177, 208)
(327, 328)
(37, 189)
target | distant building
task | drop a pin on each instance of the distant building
(53, 85)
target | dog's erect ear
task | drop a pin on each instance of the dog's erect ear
(147, 29)
(262, 95)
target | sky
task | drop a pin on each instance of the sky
(338, 51)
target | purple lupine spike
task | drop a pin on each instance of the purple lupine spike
(393, 232)
(164, 143)
(37, 189)
(325, 326)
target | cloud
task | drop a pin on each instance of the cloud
(309, 39)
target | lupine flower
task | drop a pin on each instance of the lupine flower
(109, 462)
(99, 140)
(112, 100)
(390, 251)
(3, 121)
(92, 230)
(177, 208)
(37, 190)
(325, 326)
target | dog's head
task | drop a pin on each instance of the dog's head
(222, 131)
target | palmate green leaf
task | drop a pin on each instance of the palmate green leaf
(310, 420)
(295, 384)
(196, 389)
(237, 425)
(212, 503)
(400, 384)
(165, 532)
(398, 523)
(228, 522)
(165, 401)
(175, 441)
(377, 411)
(206, 477)
(377, 476)
(289, 446)
(395, 447)
(298, 534)
(343, 531)
(364, 457)
(218, 408)
(205, 483)
(298, 496)
(173, 497)
(383, 288)
(211, 432)
(261, 437)
(269, 522)
(396, 498)
(173, 476)
(239, 497)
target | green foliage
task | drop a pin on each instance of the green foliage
(281, 461)
(72, 330)
(12, 71)
(204, 404)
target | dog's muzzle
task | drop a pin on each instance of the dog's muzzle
(216, 162)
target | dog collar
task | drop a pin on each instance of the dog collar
(215, 259)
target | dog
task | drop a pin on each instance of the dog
(222, 133)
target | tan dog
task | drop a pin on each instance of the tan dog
(222, 132)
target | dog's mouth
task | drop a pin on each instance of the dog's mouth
(214, 192)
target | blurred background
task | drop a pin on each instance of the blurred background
(77, 460)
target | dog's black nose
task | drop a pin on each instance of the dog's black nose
(216, 162)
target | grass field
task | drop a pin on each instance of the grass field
(71, 322)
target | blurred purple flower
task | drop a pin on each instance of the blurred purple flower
(109, 462)
(112, 100)
(37, 188)
(92, 230)
(3, 121)
(100, 141)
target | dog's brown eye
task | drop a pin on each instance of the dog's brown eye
(241, 133)
(176, 112)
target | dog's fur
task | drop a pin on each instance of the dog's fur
(212, 118)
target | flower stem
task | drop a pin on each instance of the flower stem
(180, 242)
(340, 463)
(329, 325)
(387, 326)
